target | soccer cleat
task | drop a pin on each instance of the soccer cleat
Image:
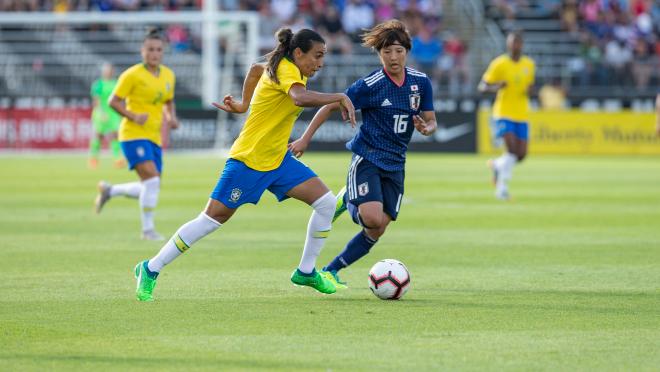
(341, 204)
(103, 196)
(316, 281)
(334, 279)
(145, 283)
(152, 235)
(493, 169)
(92, 163)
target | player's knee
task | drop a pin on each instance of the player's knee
(375, 234)
(325, 205)
(372, 221)
(220, 216)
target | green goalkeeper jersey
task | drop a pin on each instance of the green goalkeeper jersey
(103, 114)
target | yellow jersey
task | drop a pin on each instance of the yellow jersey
(512, 101)
(262, 143)
(144, 94)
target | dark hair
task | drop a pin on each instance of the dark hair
(154, 33)
(287, 43)
(386, 34)
(516, 34)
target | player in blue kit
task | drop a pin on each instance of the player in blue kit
(394, 101)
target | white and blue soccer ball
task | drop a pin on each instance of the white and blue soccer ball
(389, 279)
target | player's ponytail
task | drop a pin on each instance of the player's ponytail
(287, 43)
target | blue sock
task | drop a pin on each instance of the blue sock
(306, 274)
(357, 248)
(152, 274)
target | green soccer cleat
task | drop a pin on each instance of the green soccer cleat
(341, 204)
(145, 284)
(315, 281)
(334, 279)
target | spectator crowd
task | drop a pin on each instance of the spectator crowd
(436, 51)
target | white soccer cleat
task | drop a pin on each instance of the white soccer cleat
(103, 195)
(152, 235)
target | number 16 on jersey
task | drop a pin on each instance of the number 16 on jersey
(400, 123)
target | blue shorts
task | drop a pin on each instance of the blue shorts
(139, 151)
(240, 184)
(518, 128)
(366, 183)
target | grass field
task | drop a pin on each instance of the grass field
(566, 277)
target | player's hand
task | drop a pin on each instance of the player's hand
(140, 118)
(298, 147)
(423, 127)
(173, 123)
(347, 110)
(230, 105)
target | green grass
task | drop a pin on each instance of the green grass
(566, 277)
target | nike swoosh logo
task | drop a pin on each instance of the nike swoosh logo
(448, 134)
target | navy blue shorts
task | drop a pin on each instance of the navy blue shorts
(367, 183)
(240, 184)
(518, 128)
(139, 151)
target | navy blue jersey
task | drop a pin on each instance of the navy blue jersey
(387, 115)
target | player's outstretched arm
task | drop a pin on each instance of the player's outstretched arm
(299, 146)
(309, 98)
(233, 106)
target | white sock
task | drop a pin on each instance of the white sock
(148, 201)
(183, 239)
(509, 161)
(131, 190)
(317, 231)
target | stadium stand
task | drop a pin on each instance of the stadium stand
(585, 44)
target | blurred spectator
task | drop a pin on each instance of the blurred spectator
(617, 58)
(426, 51)
(283, 9)
(552, 95)
(100, 5)
(331, 28)
(509, 8)
(126, 5)
(358, 15)
(178, 37)
(460, 81)
(569, 15)
(642, 65)
(385, 9)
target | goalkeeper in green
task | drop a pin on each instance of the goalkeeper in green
(105, 120)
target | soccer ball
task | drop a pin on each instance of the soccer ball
(389, 279)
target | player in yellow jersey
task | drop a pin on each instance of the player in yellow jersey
(511, 75)
(657, 114)
(144, 97)
(259, 159)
